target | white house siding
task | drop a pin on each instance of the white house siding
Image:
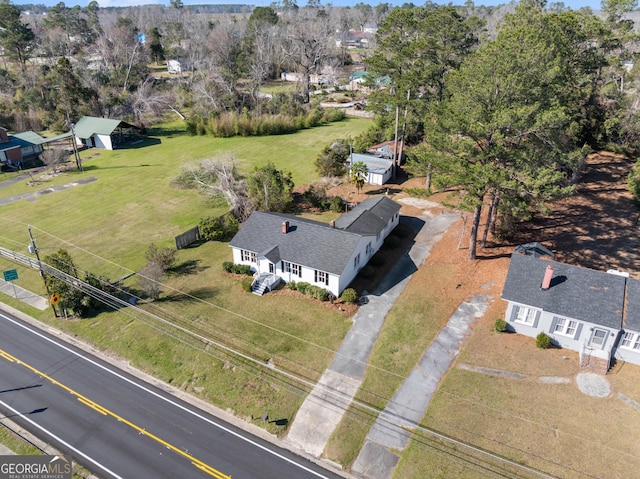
(352, 269)
(103, 141)
(628, 352)
(581, 339)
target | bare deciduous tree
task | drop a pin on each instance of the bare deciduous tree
(220, 177)
(53, 157)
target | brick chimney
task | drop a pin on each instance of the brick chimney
(546, 281)
(285, 227)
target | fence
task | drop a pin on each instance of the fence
(185, 239)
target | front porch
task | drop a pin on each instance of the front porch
(264, 282)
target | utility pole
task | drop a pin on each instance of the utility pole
(75, 147)
(34, 249)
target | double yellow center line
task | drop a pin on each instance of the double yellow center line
(106, 412)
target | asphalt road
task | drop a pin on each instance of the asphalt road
(117, 426)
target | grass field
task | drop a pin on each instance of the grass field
(107, 225)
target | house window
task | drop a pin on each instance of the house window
(566, 327)
(525, 315)
(356, 261)
(321, 277)
(248, 256)
(292, 268)
(598, 337)
(627, 340)
(272, 268)
(369, 249)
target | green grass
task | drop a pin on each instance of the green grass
(409, 328)
(107, 226)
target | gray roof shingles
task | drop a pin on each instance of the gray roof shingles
(369, 217)
(308, 243)
(575, 292)
(632, 319)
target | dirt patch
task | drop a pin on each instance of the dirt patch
(597, 227)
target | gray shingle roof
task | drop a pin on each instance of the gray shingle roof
(632, 320)
(375, 164)
(369, 217)
(575, 292)
(308, 243)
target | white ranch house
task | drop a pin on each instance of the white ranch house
(281, 247)
(589, 311)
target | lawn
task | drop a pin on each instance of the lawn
(107, 225)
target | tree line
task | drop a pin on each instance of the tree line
(502, 112)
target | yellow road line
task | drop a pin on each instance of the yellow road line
(105, 412)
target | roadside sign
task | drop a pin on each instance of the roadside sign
(55, 298)
(10, 275)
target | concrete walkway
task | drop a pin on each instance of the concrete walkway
(32, 196)
(24, 295)
(410, 402)
(325, 406)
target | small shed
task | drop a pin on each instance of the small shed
(104, 133)
(380, 169)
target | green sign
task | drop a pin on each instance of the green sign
(10, 275)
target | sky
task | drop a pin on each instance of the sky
(573, 4)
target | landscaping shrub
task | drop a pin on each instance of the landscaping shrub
(292, 285)
(543, 341)
(337, 204)
(303, 287)
(349, 295)
(221, 228)
(230, 267)
(246, 284)
(318, 293)
(500, 325)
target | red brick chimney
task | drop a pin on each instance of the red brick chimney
(285, 227)
(546, 281)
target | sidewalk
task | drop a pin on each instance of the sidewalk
(24, 295)
(325, 406)
(391, 431)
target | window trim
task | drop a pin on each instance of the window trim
(563, 327)
(321, 277)
(248, 256)
(528, 313)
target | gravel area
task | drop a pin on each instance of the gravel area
(593, 385)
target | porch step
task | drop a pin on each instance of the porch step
(594, 365)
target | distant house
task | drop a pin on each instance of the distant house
(104, 132)
(20, 147)
(380, 169)
(281, 247)
(386, 149)
(592, 312)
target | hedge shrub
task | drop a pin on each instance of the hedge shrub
(349, 295)
(230, 267)
(543, 341)
(500, 325)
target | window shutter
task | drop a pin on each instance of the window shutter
(578, 331)
(514, 313)
(536, 319)
(553, 324)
